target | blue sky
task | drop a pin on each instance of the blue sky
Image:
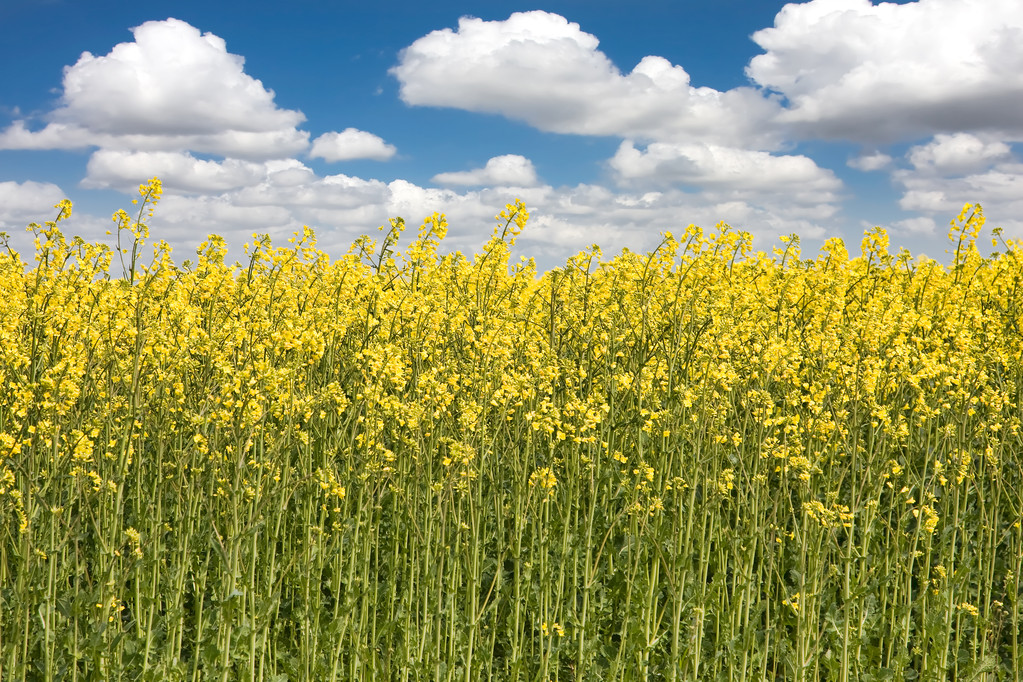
(613, 121)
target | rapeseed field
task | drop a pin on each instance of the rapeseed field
(699, 463)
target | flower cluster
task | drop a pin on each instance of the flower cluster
(703, 459)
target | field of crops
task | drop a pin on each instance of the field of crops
(699, 463)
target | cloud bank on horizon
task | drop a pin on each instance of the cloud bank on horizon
(944, 77)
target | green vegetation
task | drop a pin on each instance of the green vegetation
(700, 463)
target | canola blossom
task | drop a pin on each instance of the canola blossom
(702, 462)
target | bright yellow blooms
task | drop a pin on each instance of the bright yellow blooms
(361, 440)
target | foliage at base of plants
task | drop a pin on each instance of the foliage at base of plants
(699, 463)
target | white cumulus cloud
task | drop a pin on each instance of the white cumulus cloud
(937, 196)
(1001, 186)
(715, 167)
(958, 154)
(562, 82)
(27, 202)
(953, 169)
(870, 162)
(351, 144)
(22, 203)
(922, 225)
(173, 88)
(510, 170)
(854, 70)
(177, 170)
(340, 208)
